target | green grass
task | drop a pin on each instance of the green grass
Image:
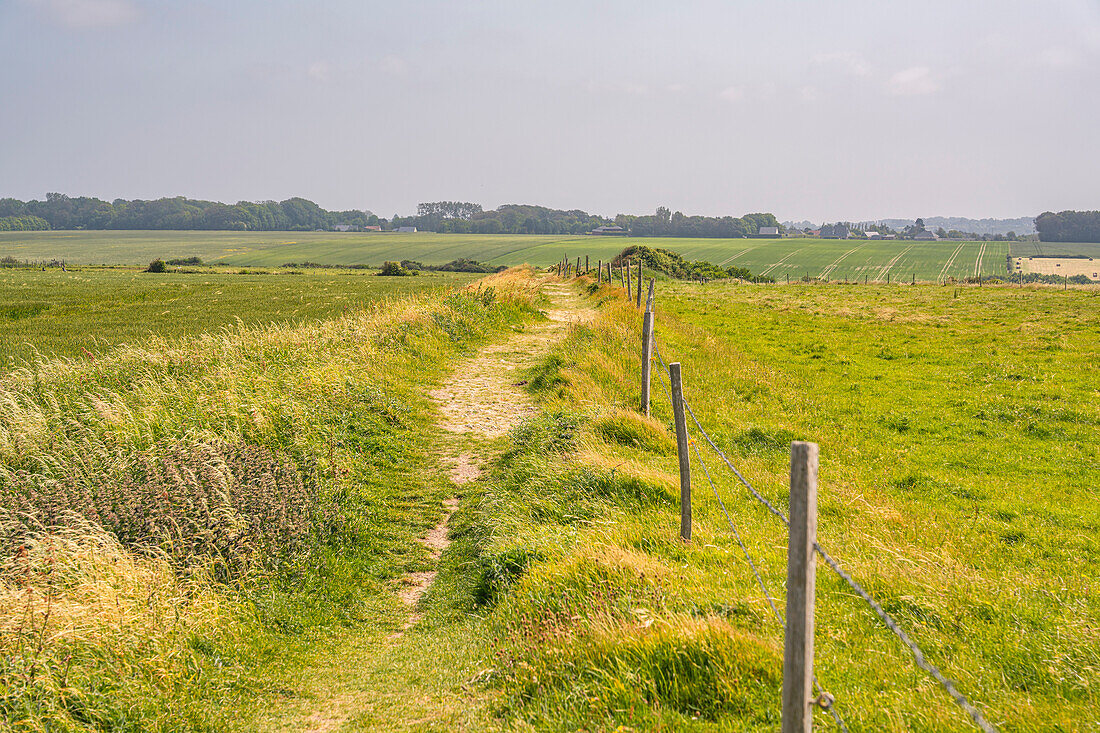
(87, 311)
(835, 259)
(138, 636)
(959, 454)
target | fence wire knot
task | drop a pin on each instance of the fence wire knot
(823, 701)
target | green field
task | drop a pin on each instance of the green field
(958, 484)
(285, 471)
(86, 311)
(782, 258)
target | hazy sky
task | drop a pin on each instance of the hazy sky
(818, 110)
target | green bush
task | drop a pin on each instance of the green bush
(157, 266)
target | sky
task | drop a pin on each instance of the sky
(827, 110)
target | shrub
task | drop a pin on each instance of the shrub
(156, 266)
(394, 269)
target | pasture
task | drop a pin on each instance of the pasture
(780, 258)
(958, 460)
(85, 311)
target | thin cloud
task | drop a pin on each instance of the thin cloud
(914, 81)
(394, 65)
(319, 71)
(87, 13)
(848, 61)
(732, 94)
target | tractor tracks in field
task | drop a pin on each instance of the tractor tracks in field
(951, 260)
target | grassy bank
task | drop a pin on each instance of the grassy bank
(184, 520)
(958, 440)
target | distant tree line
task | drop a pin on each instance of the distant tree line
(23, 224)
(1069, 226)
(665, 223)
(466, 218)
(59, 211)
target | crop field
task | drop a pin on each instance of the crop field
(958, 462)
(83, 312)
(781, 258)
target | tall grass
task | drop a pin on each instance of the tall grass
(176, 513)
(604, 618)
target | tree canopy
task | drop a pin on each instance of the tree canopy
(1069, 226)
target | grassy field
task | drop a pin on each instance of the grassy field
(263, 487)
(959, 454)
(794, 258)
(183, 524)
(86, 311)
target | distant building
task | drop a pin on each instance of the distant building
(925, 235)
(342, 227)
(873, 235)
(405, 230)
(768, 232)
(606, 230)
(372, 228)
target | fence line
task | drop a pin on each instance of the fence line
(918, 654)
(824, 699)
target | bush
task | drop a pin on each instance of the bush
(394, 269)
(157, 266)
(185, 261)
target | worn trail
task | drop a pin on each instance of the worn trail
(406, 678)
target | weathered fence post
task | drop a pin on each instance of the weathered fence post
(577, 272)
(609, 280)
(798, 641)
(681, 450)
(599, 271)
(647, 357)
(639, 303)
(649, 296)
(586, 269)
(626, 269)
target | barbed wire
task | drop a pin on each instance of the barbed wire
(830, 705)
(918, 654)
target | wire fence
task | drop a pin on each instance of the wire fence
(824, 699)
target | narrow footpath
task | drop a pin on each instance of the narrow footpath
(412, 678)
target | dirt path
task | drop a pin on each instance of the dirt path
(482, 400)
(366, 684)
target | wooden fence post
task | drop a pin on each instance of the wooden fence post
(577, 272)
(586, 269)
(626, 269)
(681, 450)
(599, 271)
(639, 303)
(649, 296)
(798, 640)
(647, 358)
(609, 281)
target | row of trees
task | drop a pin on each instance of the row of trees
(23, 223)
(466, 218)
(59, 211)
(1069, 226)
(665, 223)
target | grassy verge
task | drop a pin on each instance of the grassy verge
(184, 521)
(959, 454)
